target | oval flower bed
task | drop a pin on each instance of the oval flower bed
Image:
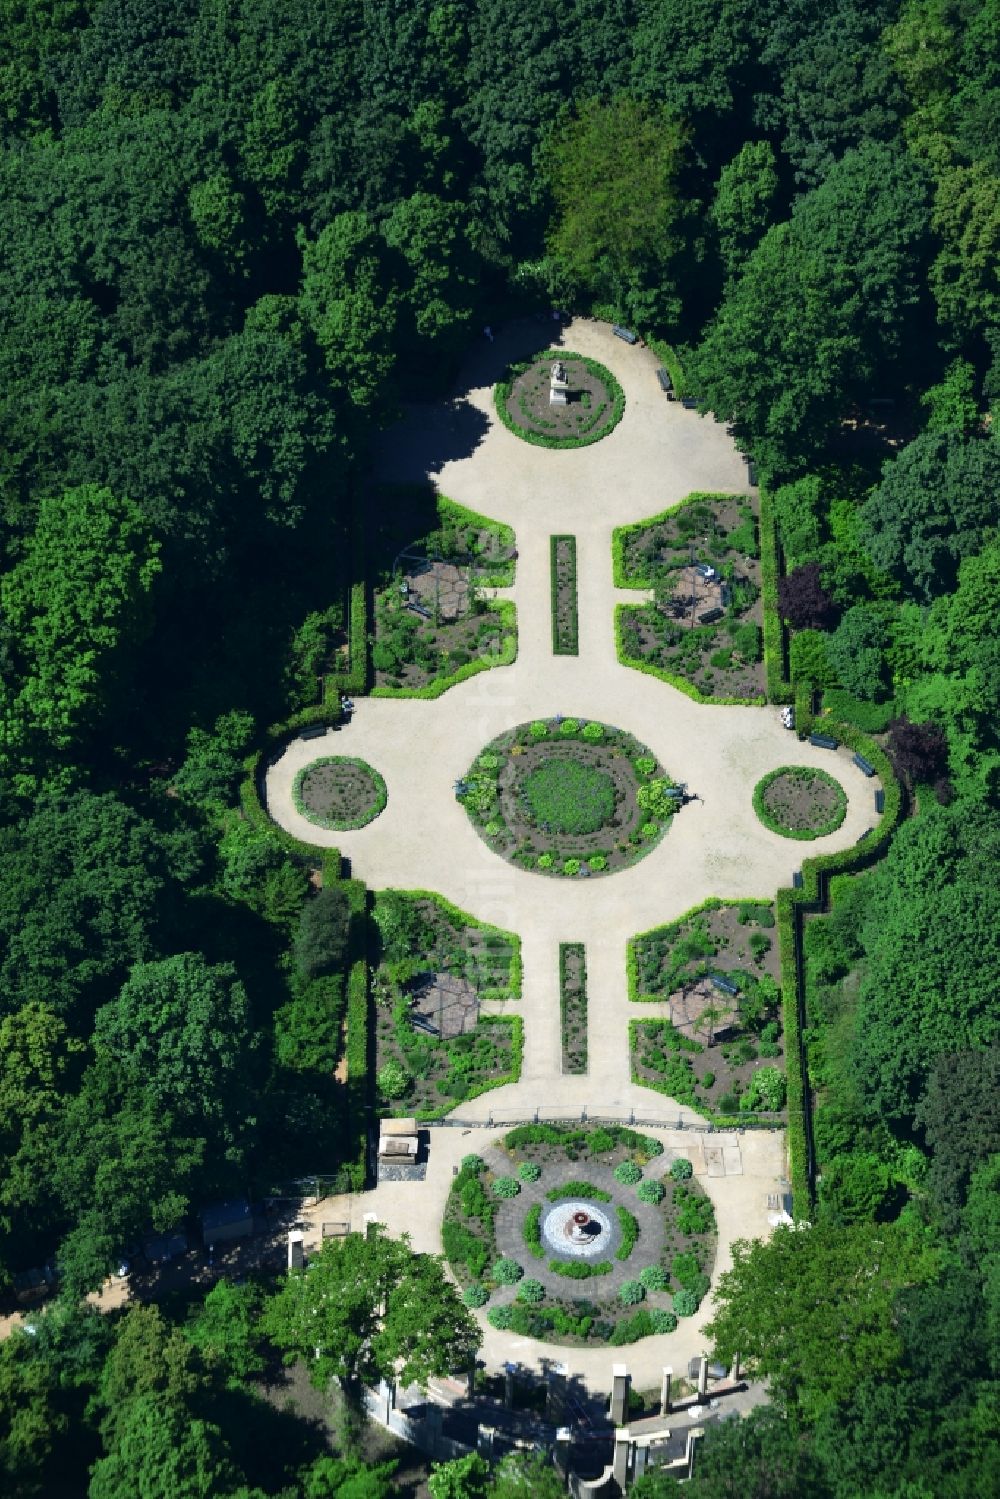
(800, 802)
(566, 797)
(338, 792)
(549, 1207)
(594, 407)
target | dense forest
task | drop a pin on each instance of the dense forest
(235, 238)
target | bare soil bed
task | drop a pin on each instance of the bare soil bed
(800, 802)
(339, 792)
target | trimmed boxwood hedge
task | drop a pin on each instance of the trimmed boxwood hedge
(502, 389)
(834, 820)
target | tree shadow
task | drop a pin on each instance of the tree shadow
(432, 434)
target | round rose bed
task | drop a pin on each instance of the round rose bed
(568, 797)
(800, 802)
(338, 792)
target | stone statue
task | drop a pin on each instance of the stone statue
(559, 385)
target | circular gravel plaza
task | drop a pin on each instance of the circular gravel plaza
(339, 792)
(799, 801)
(593, 405)
(580, 1235)
(569, 797)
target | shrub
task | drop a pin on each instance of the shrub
(628, 1173)
(464, 1248)
(500, 1317)
(650, 829)
(539, 730)
(630, 1232)
(580, 1269)
(631, 1329)
(766, 1091)
(531, 1231)
(593, 732)
(652, 1192)
(506, 1186)
(393, 1080)
(654, 1278)
(662, 1321)
(528, 1171)
(681, 1170)
(600, 1141)
(569, 727)
(645, 765)
(570, 866)
(597, 862)
(531, 1292)
(685, 1303)
(320, 942)
(492, 829)
(474, 1163)
(695, 1215)
(578, 1189)
(476, 1295)
(729, 1103)
(707, 1079)
(631, 1292)
(507, 1272)
(545, 861)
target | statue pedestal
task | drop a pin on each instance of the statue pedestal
(558, 385)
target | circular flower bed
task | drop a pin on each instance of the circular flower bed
(594, 406)
(581, 1255)
(338, 792)
(799, 802)
(568, 797)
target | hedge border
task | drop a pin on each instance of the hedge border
(836, 818)
(779, 689)
(572, 648)
(358, 1037)
(377, 808)
(662, 675)
(506, 657)
(502, 389)
(456, 912)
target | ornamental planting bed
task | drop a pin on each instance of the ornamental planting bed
(565, 622)
(595, 406)
(433, 1045)
(580, 1235)
(721, 658)
(567, 797)
(718, 1053)
(573, 1005)
(339, 792)
(800, 802)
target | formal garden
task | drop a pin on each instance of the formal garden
(703, 626)
(569, 797)
(434, 969)
(434, 622)
(580, 1235)
(594, 403)
(339, 792)
(720, 1050)
(798, 801)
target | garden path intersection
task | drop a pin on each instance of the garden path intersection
(658, 454)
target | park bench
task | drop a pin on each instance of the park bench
(864, 835)
(420, 609)
(880, 800)
(752, 475)
(710, 616)
(797, 880)
(689, 403)
(666, 384)
(823, 741)
(625, 333)
(865, 766)
(725, 985)
(313, 731)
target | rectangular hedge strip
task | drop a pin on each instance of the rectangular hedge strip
(779, 689)
(565, 632)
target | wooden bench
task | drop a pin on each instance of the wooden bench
(865, 766)
(880, 800)
(824, 741)
(752, 475)
(725, 985)
(666, 384)
(625, 333)
(689, 403)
